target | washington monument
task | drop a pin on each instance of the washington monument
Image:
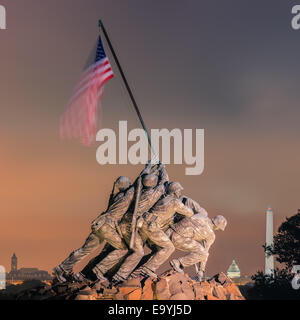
(269, 263)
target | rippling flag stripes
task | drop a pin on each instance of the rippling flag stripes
(80, 117)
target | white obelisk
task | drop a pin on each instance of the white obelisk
(269, 263)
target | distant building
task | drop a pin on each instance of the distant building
(233, 271)
(234, 274)
(14, 263)
(22, 274)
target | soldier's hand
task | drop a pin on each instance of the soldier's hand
(161, 166)
(148, 164)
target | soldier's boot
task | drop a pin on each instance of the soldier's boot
(144, 272)
(176, 265)
(79, 277)
(100, 277)
(116, 279)
(61, 275)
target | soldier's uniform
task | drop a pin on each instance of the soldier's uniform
(194, 205)
(106, 224)
(149, 196)
(194, 235)
(156, 222)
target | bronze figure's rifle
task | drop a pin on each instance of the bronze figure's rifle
(135, 211)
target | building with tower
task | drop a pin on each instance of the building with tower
(22, 274)
(14, 263)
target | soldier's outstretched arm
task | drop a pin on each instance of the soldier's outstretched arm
(183, 209)
(118, 207)
(123, 203)
(160, 189)
(164, 177)
(146, 170)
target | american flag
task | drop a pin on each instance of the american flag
(80, 117)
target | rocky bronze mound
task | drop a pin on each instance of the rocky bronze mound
(170, 286)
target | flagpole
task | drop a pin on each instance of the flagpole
(101, 25)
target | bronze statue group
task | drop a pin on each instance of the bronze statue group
(150, 212)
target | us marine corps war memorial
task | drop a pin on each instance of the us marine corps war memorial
(149, 212)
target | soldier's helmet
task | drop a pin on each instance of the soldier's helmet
(175, 187)
(122, 183)
(220, 222)
(150, 180)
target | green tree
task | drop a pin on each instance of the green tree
(286, 250)
(269, 287)
(286, 247)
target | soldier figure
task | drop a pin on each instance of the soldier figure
(155, 223)
(194, 235)
(104, 228)
(151, 211)
(195, 206)
(153, 188)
